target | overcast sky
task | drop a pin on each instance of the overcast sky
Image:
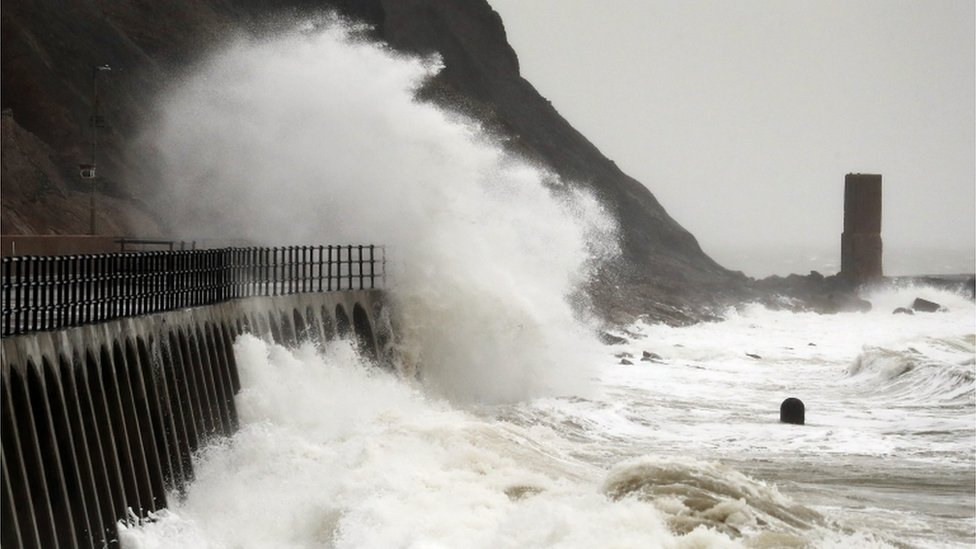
(743, 116)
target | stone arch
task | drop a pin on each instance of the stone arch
(91, 464)
(314, 331)
(383, 329)
(275, 332)
(149, 414)
(121, 437)
(227, 344)
(208, 380)
(213, 340)
(257, 325)
(156, 374)
(99, 427)
(364, 332)
(131, 419)
(194, 374)
(183, 400)
(301, 328)
(343, 326)
(328, 327)
(62, 446)
(288, 331)
(23, 423)
(51, 450)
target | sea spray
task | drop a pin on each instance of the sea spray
(333, 452)
(315, 135)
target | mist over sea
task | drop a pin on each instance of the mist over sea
(760, 261)
(508, 424)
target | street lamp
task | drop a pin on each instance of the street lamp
(96, 121)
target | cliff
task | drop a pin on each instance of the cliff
(49, 49)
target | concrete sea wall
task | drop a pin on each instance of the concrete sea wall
(99, 422)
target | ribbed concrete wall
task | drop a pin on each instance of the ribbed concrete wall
(99, 422)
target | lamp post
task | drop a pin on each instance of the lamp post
(95, 122)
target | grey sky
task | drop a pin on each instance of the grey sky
(743, 116)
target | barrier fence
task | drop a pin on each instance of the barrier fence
(54, 292)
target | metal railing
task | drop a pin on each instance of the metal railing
(54, 292)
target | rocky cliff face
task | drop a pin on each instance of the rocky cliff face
(49, 49)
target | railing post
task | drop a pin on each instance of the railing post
(244, 256)
(349, 266)
(265, 269)
(72, 291)
(304, 269)
(18, 306)
(159, 279)
(213, 278)
(8, 305)
(31, 270)
(180, 279)
(144, 274)
(372, 267)
(170, 268)
(113, 291)
(287, 262)
(360, 267)
(276, 269)
(328, 265)
(40, 275)
(320, 263)
(54, 292)
(101, 266)
(84, 289)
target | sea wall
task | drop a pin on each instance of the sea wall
(99, 422)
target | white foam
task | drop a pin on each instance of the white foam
(333, 454)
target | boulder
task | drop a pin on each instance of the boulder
(925, 306)
(625, 362)
(839, 302)
(609, 339)
(651, 357)
(903, 311)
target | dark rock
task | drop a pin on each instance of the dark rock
(903, 311)
(839, 302)
(516, 493)
(793, 411)
(625, 362)
(624, 354)
(925, 306)
(651, 357)
(609, 339)
(755, 356)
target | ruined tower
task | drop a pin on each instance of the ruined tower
(860, 244)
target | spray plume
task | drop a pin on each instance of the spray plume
(315, 135)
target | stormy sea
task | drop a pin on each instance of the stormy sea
(505, 421)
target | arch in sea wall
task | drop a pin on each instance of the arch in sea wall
(100, 421)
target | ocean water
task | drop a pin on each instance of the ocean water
(507, 422)
(684, 450)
